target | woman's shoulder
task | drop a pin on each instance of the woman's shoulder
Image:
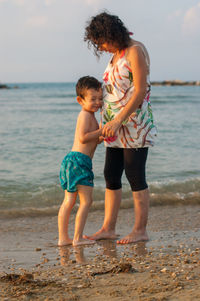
(137, 48)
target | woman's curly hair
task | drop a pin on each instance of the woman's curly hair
(106, 28)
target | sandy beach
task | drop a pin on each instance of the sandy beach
(167, 267)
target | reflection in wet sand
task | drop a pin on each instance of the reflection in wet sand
(64, 254)
(67, 251)
(79, 254)
(108, 248)
(104, 248)
(139, 248)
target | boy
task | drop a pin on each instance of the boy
(76, 174)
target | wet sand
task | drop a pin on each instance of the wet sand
(167, 267)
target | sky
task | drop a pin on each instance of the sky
(42, 40)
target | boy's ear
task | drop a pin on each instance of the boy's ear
(79, 99)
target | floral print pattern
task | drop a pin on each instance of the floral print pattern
(139, 129)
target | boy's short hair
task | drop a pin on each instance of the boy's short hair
(85, 83)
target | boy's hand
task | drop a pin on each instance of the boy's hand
(101, 139)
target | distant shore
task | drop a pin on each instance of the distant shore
(175, 83)
(4, 86)
(153, 83)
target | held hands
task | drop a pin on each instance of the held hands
(108, 131)
(110, 128)
(101, 139)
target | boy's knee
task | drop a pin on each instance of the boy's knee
(89, 202)
(86, 201)
(69, 202)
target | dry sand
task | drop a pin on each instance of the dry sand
(165, 268)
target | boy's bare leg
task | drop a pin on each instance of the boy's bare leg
(141, 208)
(112, 204)
(63, 218)
(85, 196)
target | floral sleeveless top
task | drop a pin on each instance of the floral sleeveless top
(139, 129)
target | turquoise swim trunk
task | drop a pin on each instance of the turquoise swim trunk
(76, 169)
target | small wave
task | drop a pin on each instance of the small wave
(184, 187)
(35, 200)
(159, 199)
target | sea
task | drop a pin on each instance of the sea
(37, 124)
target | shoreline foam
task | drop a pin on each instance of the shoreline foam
(157, 199)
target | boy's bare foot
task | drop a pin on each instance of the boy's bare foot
(62, 243)
(133, 237)
(102, 234)
(83, 241)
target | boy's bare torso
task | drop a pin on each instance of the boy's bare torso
(89, 126)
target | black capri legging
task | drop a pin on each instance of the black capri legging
(132, 160)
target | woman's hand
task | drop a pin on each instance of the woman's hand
(110, 128)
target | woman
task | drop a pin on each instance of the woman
(127, 119)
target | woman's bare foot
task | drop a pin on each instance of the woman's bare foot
(66, 242)
(102, 234)
(133, 237)
(83, 241)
